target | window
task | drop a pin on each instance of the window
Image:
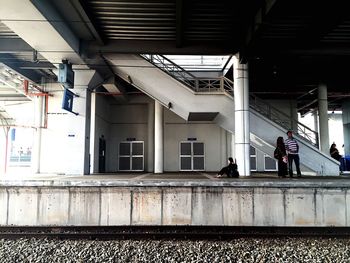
(192, 156)
(252, 158)
(269, 163)
(131, 156)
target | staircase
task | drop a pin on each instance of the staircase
(211, 99)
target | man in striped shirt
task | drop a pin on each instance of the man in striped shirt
(292, 148)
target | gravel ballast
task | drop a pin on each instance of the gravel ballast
(237, 250)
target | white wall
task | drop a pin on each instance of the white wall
(177, 130)
(63, 141)
(131, 121)
(127, 121)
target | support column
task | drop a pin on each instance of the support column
(158, 137)
(38, 102)
(323, 118)
(294, 115)
(242, 129)
(94, 144)
(150, 144)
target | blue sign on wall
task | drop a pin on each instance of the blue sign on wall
(67, 103)
(13, 134)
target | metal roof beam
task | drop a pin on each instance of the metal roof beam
(179, 23)
(255, 29)
(15, 64)
(39, 24)
(56, 20)
(83, 10)
(91, 49)
(11, 45)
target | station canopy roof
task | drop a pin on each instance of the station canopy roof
(290, 46)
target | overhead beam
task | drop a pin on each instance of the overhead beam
(325, 18)
(284, 47)
(83, 10)
(91, 49)
(39, 24)
(11, 45)
(179, 23)
(15, 64)
(57, 21)
(255, 29)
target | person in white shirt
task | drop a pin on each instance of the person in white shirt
(292, 148)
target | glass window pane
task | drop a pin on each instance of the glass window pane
(270, 164)
(253, 163)
(137, 148)
(252, 150)
(185, 148)
(124, 148)
(124, 163)
(185, 163)
(198, 148)
(198, 163)
(137, 163)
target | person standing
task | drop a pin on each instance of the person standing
(292, 148)
(281, 155)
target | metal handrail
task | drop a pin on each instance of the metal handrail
(190, 80)
(224, 84)
(284, 120)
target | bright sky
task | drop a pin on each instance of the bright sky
(200, 62)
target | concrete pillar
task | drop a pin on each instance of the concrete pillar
(94, 141)
(224, 149)
(346, 126)
(323, 118)
(242, 130)
(231, 146)
(38, 102)
(158, 137)
(294, 115)
(150, 144)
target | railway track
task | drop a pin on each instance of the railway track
(170, 232)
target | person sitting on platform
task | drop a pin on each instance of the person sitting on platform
(333, 151)
(231, 170)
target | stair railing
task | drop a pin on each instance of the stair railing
(223, 84)
(284, 120)
(195, 83)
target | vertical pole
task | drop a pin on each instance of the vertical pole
(242, 129)
(323, 118)
(94, 158)
(37, 140)
(150, 144)
(158, 137)
(7, 129)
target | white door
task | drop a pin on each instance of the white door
(131, 156)
(192, 156)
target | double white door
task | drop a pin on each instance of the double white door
(131, 156)
(192, 156)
